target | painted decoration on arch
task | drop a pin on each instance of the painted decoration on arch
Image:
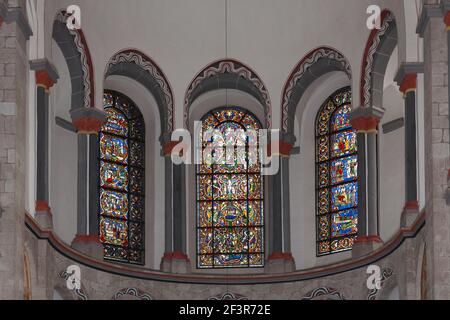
(230, 209)
(337, 176)
(121, 169)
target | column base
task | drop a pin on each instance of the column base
(364, 245)
(43, 214)
(175, 262)
(409, 214)
(89, 245)
(280, 262)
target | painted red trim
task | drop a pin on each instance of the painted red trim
(411, 205)
(284, 148)
(44, 79)
(409, 82)
(153, 275)
(447, 19)
(364, 61)
(42, 206)
(366, 239)
(365, 124)
(82, 238)
(175, 255)
(280, 256)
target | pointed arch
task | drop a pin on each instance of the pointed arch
(315, 64)
(228, 74)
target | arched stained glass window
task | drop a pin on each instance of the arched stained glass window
(337, 175)
(121, 159)
(230, 209)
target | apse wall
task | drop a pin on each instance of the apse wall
(184, 37)
(63, 159)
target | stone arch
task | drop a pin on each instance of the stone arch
(379, 48)
(227, 74)
(73, 45)
(134, 64)
(315, 64)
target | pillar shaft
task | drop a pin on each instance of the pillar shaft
(410, 147)
(372, 185)
(362, 205)
(42, 145)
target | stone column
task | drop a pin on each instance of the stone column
(365, 120)
(436, 93)
(175, 259)
(88, 122)
(279, 254)
(446, 11)
(407, 80)
(46, 77)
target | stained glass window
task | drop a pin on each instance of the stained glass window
(230, 209)
(121, 159)
(337, 175)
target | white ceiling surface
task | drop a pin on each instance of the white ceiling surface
(270, 36)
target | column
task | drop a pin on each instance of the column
(406, 79)
(446, 9)
(365, 121)
(46, 77)
(88, 122)
(279, 254)
(175, 259)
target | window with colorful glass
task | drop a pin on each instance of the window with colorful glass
(337, 175)
(121, 163)
(230, 208)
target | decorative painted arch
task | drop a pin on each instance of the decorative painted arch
(134, 64)
(135, 293)
(314, 65)
(76, 53)
(379, 48)
(323, 293)
(228, 74)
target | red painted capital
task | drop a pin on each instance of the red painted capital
(88, 125)
(42, 206)
(43, 79)
(175, 255)
(366, 239)
(447, 20)
(409, 83)
(280, 256)
(411, 205)
(365, 124)
(83, 238)
(284, 148)
(168, 147)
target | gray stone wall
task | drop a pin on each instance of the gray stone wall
(437, 159)
(13, 70)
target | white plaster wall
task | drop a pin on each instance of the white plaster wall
(391, 157)
(63, 163)
(154, 166)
